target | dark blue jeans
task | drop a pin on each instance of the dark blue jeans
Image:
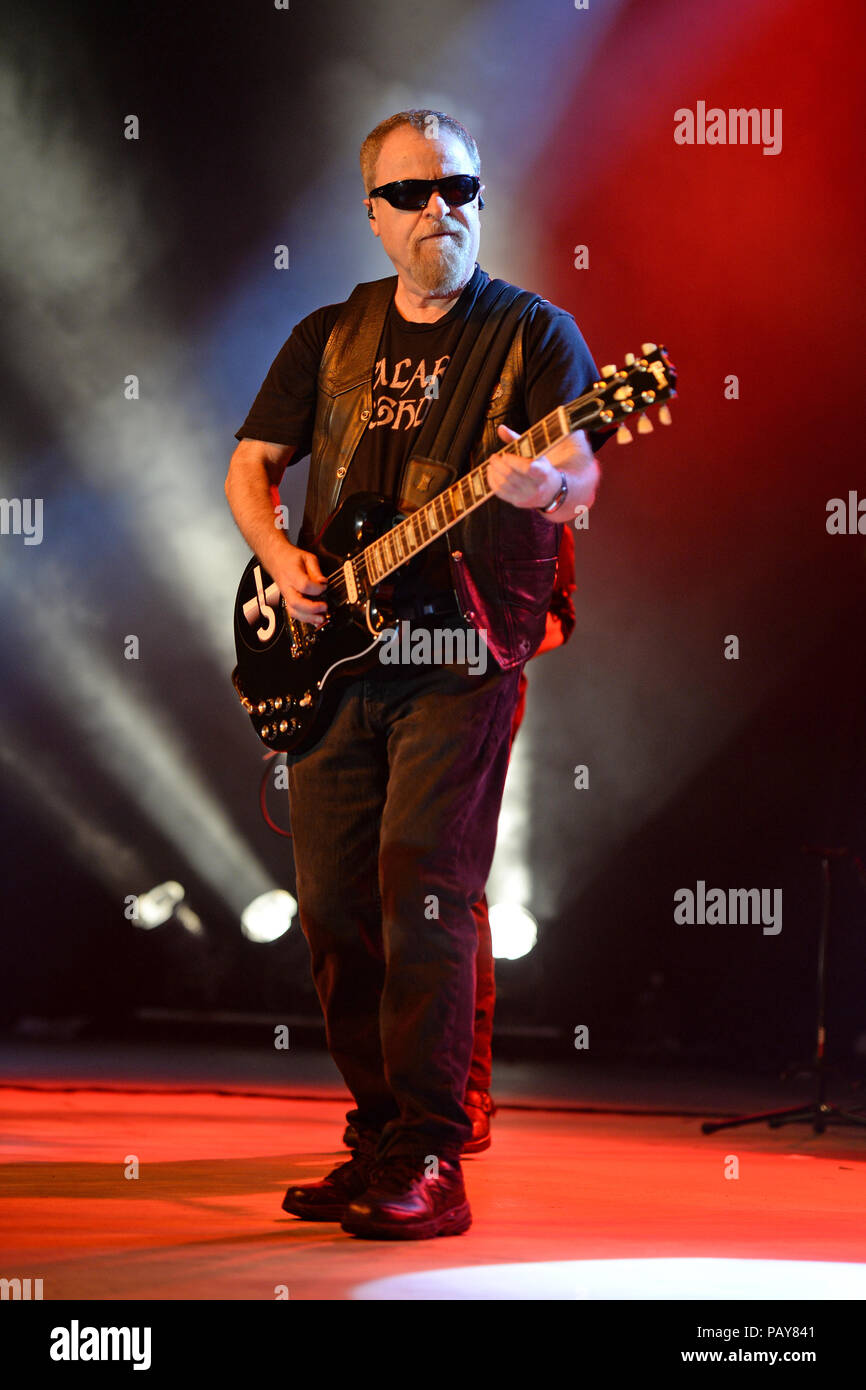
(394, 815)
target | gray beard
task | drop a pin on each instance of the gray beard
(441, 267)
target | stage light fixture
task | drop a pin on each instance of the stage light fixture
(157, 906)
(268, 916)
(514, 931)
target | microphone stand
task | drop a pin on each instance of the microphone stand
(819, 1113)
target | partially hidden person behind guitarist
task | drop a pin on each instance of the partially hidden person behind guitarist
(394, 808)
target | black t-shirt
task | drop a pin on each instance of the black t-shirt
(558, 369)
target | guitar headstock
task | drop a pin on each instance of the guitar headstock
(630, 390)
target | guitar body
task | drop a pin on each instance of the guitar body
(286, 668)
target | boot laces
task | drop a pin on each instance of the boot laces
(398, 1171)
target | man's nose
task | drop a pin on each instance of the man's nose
(437, 206)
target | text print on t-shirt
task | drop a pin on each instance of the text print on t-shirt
(401, 395)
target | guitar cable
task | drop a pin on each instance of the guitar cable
(263, 797)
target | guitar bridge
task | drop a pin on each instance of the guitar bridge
(300, 638)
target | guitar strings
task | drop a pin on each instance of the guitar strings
(403, 528)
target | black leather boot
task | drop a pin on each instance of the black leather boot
(479, 1107)
(327, 1200)
(403, 1203)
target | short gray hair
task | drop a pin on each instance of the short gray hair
(426, 123)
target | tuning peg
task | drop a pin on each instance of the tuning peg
(623, 435)
(647, 348)
(644, 426)
(629, 359)
(664, 415)
(608, 371)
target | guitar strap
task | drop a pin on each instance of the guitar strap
(452, 424)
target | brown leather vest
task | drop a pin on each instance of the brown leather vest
(502, 558)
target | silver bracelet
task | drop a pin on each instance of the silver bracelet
(559, 498)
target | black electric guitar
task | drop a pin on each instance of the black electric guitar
(286, 666)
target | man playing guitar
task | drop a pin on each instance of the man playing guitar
(394, 808)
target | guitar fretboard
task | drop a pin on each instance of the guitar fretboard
(437, 516)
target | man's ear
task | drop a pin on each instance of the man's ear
(374, 228)
(480, 199)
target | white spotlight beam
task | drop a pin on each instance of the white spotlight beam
(135, 745)
(158, 455)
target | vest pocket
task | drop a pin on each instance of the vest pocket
(528, 584)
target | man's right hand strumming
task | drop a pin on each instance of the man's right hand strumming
(256, 467)
(298, 577)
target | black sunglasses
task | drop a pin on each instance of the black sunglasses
(411, 195)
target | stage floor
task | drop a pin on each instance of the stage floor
(645, 1195)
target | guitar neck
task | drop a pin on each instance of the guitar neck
(437, 516)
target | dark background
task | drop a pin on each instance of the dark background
(155, 257)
